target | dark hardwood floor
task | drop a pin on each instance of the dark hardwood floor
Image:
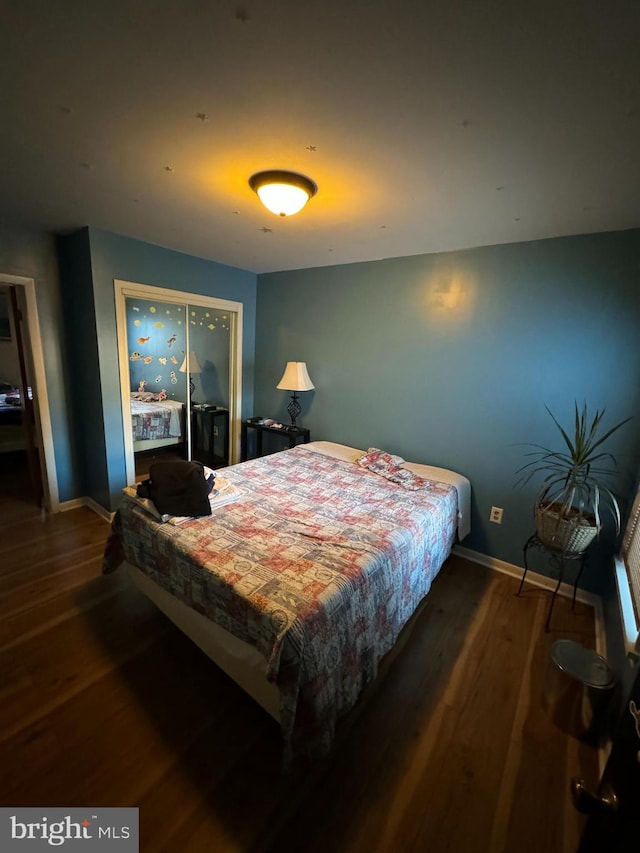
(104, 703)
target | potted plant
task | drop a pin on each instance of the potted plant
(574, 491)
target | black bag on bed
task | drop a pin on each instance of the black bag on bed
(178, 488)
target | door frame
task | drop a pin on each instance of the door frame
(125, 289)
(44, 430)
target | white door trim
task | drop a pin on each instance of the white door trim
(41, 397)
(124, 289)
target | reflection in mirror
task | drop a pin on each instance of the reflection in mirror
(156, 344)
(210, 343)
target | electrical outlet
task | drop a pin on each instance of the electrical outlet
(496, 515)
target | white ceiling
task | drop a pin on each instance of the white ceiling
(427, 126)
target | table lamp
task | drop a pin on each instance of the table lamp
(191, 365)
(295, 378)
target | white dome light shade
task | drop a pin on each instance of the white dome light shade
(283, 199)
(283, 193)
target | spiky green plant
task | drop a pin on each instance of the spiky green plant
(573, 478)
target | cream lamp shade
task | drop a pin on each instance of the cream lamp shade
(295, 378)
(283, 193)
(190, 364)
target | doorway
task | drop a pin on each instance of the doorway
(26, 441)
(180, 357)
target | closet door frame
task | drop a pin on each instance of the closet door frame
(130, 289)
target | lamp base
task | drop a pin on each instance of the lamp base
(294, 408)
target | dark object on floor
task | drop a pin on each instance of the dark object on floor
(579, 691)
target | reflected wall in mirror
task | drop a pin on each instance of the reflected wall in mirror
(209, 337)
(156, 343)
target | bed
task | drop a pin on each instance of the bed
(155, 423)
(301, 579)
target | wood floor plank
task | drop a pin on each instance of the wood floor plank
(76, 654)
(43, 553)
(28, 594)
(514, 754)
(36, 770)
(104, 702)
(78, 593)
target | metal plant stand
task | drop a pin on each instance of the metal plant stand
(559, 559)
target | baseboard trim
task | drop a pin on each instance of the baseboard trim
(544, 582)
(77, 503)
(99, 510)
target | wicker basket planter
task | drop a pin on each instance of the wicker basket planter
(573, 534)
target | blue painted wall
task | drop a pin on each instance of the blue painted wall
(114, 257)
(85, 396)
(451, 358)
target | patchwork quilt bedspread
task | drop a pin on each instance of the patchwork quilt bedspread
(318, 564)
(154, 421)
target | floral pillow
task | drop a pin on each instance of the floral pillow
(388, 466)
(378, 460)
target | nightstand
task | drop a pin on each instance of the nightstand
(286, 434)
(210, 436)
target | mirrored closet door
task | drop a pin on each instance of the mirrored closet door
(180, 376)
(158, 388)
(209, 365)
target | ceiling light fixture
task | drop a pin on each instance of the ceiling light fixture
(283, 193)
